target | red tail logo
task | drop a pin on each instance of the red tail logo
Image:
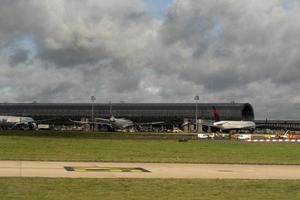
(216, 114)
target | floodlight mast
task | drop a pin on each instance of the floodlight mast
(196, 117)
(93, 98)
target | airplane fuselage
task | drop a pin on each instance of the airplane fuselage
(121, 123)
(15, 121)
(235, 125)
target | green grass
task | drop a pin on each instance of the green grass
(99, 135)
(142, 189)
(114, 150)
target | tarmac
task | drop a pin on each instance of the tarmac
(147, 170)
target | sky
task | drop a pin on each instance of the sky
(157, 8)
(153, 51)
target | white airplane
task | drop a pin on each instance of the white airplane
(17, 122)
(119, 124)
(231, 125)
(122, 123)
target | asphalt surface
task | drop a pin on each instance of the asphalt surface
(156, 170)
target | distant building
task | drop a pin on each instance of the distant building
(172, 113)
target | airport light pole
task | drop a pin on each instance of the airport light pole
(196, 122)
(93, 98)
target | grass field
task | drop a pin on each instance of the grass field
(141, 189)
(141, 148)
(118, 150)
(98, 135)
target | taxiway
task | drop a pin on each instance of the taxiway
(150, 170)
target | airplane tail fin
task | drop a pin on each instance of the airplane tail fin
(216, 114)
(286, 133)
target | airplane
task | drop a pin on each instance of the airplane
(122, 123)
(118, 124)
(20, 122)
(230, 125)
(17, 122)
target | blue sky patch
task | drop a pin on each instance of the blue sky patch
(158, 7)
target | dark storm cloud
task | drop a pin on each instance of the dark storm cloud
(49, 92)
(223, 50)
(69, 57)
(20, 56)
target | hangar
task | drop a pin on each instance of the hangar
(171, 113)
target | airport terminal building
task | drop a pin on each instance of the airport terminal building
(170, 113)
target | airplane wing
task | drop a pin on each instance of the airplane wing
(261, 125)
(220, 123)
(213, 124)
(83, 122)
(149, 123)
(102, 119)
(45, 120)
(78, 122)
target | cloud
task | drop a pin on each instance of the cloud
(116, 50)
(228, 46)
(20, 56)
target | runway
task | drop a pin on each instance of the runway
(146, 170)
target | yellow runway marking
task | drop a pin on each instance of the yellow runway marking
(105, 169)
